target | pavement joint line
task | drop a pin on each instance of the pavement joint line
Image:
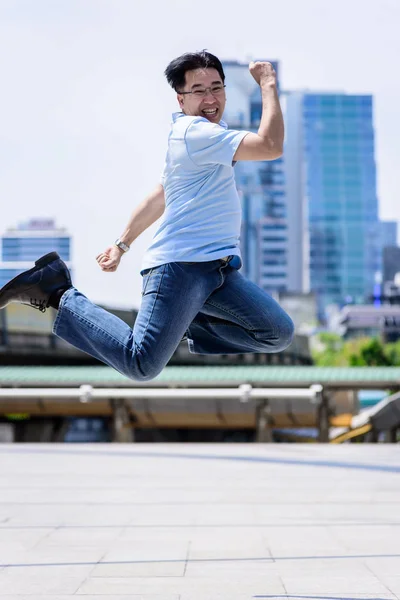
(270, 559)
(366, 565)
(255, 459)
(204, 526)
(319, 597)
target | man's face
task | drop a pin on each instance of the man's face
(208, 105)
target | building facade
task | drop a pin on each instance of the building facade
(330, 160)
(389, 233)
(261, 185)
(22, 245)
(391, 264)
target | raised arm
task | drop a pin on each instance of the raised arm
(267, 143)
(142, 217)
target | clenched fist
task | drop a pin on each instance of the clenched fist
(263, 72)
(109, 259)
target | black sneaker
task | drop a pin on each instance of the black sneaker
(34, 287)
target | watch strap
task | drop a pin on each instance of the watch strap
(121, 245)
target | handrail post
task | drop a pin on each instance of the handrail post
(122, 432)
(321, 398)
(245, 388)
(262, 416)
(86, 393)
(264, 422)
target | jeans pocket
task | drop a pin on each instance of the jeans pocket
(151, 280)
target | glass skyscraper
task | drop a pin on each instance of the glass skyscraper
(261, 185)
(389, 233)
(23, 245)
(330, 150)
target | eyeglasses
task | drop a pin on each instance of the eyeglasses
(215, 90)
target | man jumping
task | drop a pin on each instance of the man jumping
(191, 281)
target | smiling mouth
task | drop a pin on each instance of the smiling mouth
(208, 112)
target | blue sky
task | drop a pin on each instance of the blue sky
(86, 110)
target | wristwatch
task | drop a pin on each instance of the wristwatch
(121, 245)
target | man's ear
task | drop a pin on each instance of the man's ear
(180, 100)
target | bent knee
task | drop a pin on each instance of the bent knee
(143, 372)
(285, 335)
(282, 337)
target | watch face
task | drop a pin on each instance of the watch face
(121, 245)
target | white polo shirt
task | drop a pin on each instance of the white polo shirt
(202, 217)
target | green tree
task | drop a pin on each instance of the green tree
(392, 351)
(371, 354)
(327, 349)
(330, 350)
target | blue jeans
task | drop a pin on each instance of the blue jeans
(220, 311)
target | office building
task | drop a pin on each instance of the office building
(261, 185)
(391, 264)
(389, 233)
(22, 245)
(331, 176)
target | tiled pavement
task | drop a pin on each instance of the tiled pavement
(200, 522)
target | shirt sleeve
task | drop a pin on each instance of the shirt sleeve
(210, 144)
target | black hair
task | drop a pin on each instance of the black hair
(176, 70)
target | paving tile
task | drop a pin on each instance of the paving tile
(392, 582)
(86, 537)
(141, 569)
(230, 585)
(47, 571)
(227, 548)
(25, 537)
(144, 559)
(18, 583)
(53, 554)
(91, 597)
(104, 521)
(328, 596)
(384, 566)
(157, 534)
(127, 585)
(150, 550)
(324, 584)
(225, 570)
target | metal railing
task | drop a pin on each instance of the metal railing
(244, 393)
(87, 393)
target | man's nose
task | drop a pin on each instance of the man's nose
(209, 96)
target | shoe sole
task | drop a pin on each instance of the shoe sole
(41, 262)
